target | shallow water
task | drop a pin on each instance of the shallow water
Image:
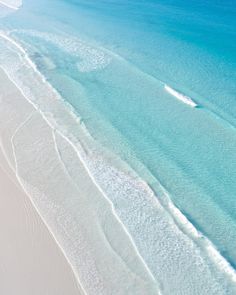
(111, 61)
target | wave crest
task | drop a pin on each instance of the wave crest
(185, 99)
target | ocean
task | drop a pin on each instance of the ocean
(149, 94)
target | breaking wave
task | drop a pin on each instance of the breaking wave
(185, 99)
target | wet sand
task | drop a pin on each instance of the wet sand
(31, 262)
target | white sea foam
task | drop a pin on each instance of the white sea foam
(12, 4)
(89, 57)
(210, 248)
(171, 257)
(185, 99)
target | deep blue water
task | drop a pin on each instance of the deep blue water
(189, 45)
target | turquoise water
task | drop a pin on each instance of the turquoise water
(111, 59)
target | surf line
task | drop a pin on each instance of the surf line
(185, 99)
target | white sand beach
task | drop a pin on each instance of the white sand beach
(31, 263)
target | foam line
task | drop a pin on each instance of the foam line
(212, 252)
(109, 201)
(18, 46)
(74, 183)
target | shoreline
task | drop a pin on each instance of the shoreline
(132, 269)
(112, 201)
